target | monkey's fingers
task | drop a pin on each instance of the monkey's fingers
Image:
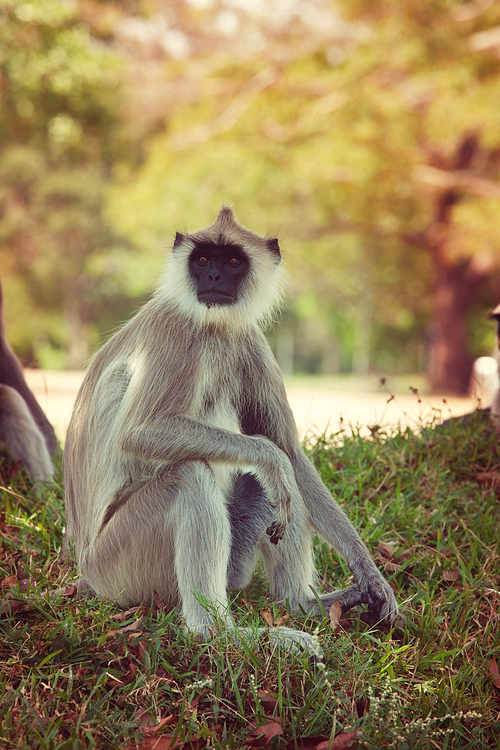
(282, 514)
(276, 531)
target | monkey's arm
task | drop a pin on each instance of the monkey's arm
(174, 438)
(272, 416)
(330, 521)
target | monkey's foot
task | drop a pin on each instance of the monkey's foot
(382, 604)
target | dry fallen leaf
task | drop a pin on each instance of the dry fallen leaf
(125, 678)
(166, 722)
(267, 701)
(261, 736)
(391, 567)
(494, 673)
(144, 721)
(9, 606)
(386, 549)
(281, 620)
(335, 613)
(163, 742)
(133, 627)
(445, 551)
(488, 477)
(9, 582)
(342, 741)
(267, 616)
(159, 603)
(451, 576)
(122, 616)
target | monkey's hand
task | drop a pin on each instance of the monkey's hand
(382, 604)
(276, 531)
(278, 480)
(280, 499)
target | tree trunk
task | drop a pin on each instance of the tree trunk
(78, 346)
(456, 281)
(450, 363)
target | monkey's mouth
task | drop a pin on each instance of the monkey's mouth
(215, 297)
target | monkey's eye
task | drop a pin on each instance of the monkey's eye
(233, 262)
(202, 260)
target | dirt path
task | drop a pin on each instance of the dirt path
(319, 410)
(316, 409)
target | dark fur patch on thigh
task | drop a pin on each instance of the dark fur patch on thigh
(250, 514)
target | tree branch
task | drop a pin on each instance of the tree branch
(230, 116)
(460, 179)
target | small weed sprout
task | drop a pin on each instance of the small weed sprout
(200, 685)
(316, 648)
(387, 723)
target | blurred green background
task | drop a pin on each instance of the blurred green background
(364, 134)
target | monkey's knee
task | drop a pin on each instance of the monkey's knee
(22, 436)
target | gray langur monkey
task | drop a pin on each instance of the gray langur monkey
(495, 406)
(182, 463)
(24, 428)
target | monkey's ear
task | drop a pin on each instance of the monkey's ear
(273, 246)
(178, 239)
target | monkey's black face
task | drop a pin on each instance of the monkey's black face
(218, 272)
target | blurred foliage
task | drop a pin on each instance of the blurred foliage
(365, 135)
(60, 134)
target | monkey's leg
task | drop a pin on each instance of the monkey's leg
(24, 439)
(202, 543)
(250, 514)
(291, 572)
(216, 549)
(132, 555)
(170, 536)
(289, 564)
(328, 519)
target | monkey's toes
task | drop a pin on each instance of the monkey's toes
(378, 614)
(369, 618)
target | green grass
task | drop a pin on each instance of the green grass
(86, 675)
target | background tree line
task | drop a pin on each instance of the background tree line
(366, 134)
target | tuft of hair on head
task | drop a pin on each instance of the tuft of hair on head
(262, 292)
